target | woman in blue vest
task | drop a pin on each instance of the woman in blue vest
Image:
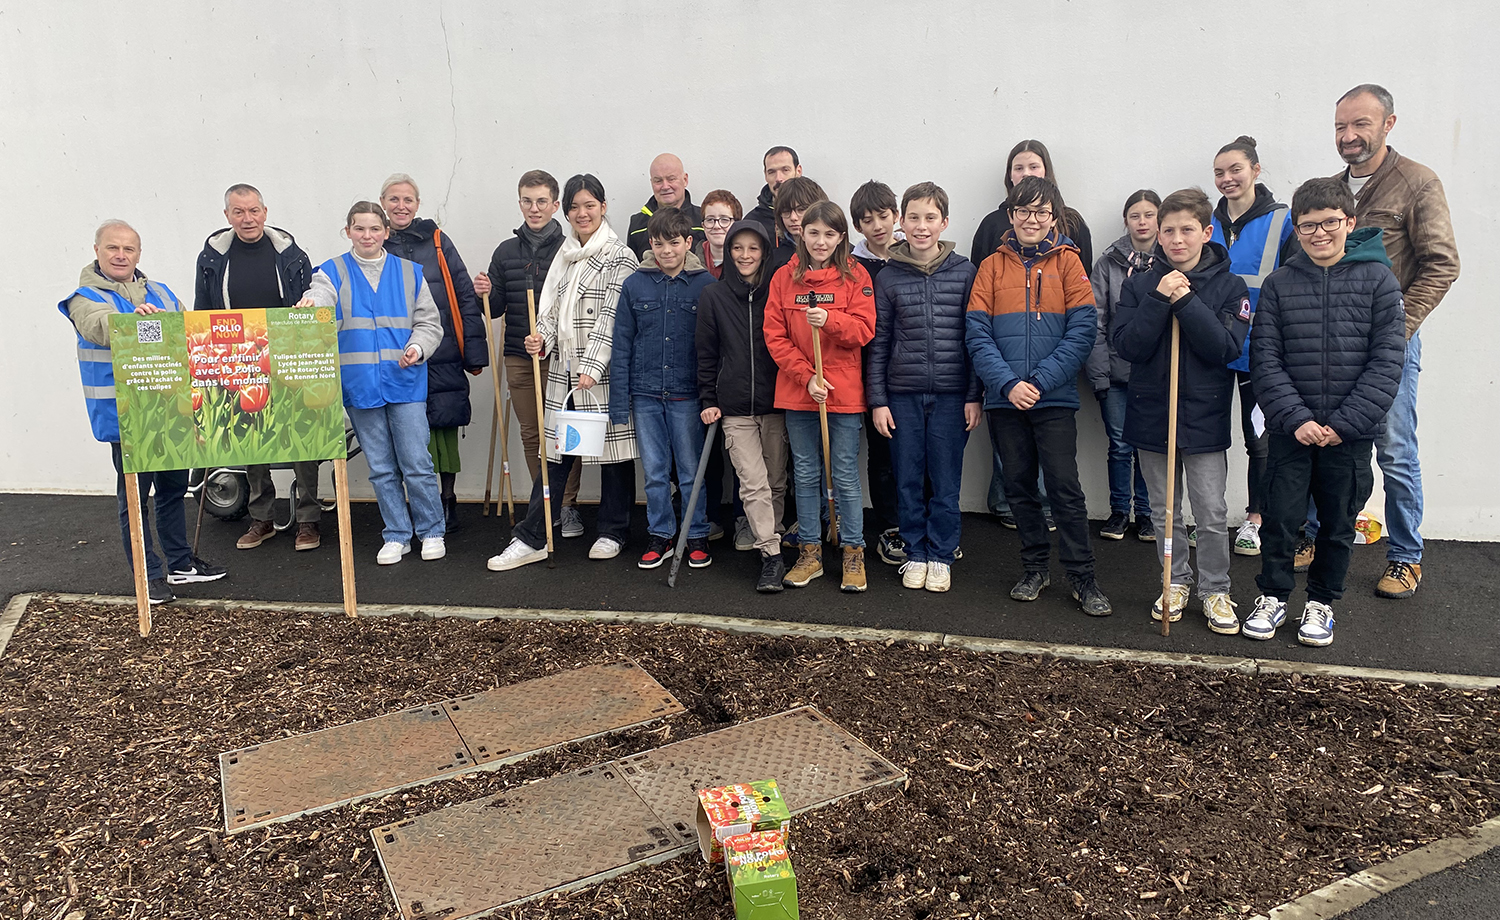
(1255, 228)
(388, 325)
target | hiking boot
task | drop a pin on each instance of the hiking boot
(913, 574)
(605, 548)
(196, 571)
(1220, 612)
(891, 548)
(1006, 519)
(698, 555)
(1268, 614)
(1086, 592)
(939, 577)
(433, 548)
(308, 536)
(159, 592)
(571, 522)
(658, 550)
(516, 555)
(1247, 540)
(854, 569)
(259, 532)
(1179, 601)
(744, 538)
(809, 566)
(1317, 625)
(1302, 560)
(772, 571)
(1029, 588)
(1400, 580)
(1145, 531)
(391, 552)
(1114, 528)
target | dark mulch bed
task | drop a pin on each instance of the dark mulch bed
(1039, 788)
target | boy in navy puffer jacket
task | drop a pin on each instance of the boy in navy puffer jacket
(1326, 355)
(922, 391)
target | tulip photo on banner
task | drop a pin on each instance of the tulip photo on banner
(227, 388)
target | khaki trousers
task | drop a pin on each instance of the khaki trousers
(758, 449)
(523, 399)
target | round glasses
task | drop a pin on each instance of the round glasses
(1022, 215)
(717, 221)
(1327, 226)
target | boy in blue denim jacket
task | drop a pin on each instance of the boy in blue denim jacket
(653, 374)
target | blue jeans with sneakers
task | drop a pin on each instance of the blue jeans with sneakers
(394, 440)
(669, 433)
(928, 445)
(1122, 458)
(804, 433)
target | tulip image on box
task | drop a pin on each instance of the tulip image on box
(761, 879)
(727, 811)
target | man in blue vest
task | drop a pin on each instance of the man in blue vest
(112, 284)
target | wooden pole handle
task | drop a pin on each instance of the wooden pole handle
(1171, 491)
(138, 554)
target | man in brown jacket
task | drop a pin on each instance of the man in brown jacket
(1405, 200)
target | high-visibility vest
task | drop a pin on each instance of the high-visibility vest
(374, 327)
(95, 363)
(1254, 254)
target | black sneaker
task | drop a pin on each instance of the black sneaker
(1145, 531)
(892, 548)
(159, 592)
(197, 570)
(658, 550)
(1029, 588)
(1115, 527)
(772, 571)
(1007, 519)
(698, 556)
(1086, 592)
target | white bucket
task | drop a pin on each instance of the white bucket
(579, 433)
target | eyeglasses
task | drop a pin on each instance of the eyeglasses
(717, 221)
(1328, 226)
(1022, 215)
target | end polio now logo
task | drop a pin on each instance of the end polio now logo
(227, 329)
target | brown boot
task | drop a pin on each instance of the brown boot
(308, 536)
(259, 532)
(854, 569)
(1400, 579)
(809, 566)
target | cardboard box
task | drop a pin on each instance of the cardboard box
(727, 811)
(761, 880)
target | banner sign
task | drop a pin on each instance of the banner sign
(227, 387)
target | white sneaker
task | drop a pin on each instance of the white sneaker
(604, 548)
(391, 552)
(744, 539)
(571, 522)
(1317, 625)
(913, 574)
(516, 555)
(939, 576)
(1220, 612)
(433, 548)
(1247, 540)
(1179, 601)
(1269, 613)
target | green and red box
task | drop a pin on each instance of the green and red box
(761, 880)
(742, 808)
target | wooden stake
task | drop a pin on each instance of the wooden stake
(495, 418)
(1166, 534)
(138, 554)
(541, 423)
(833, 518)
(346, 534)
(507, 488)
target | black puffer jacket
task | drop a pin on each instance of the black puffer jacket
(1215, 318)
(920, 320)
(1329, 343)
(736, 373)
(516, 267)
(447, 385)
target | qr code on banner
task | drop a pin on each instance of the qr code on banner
(148, 331)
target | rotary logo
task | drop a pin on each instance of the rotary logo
(323, 315)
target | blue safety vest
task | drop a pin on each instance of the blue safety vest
(1253, 256)
(94, 361)
(374, 327)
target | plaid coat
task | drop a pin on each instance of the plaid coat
(597, 281)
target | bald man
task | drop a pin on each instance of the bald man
(669, 181)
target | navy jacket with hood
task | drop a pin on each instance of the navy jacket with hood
(1215, 318)
(656, 324)
(736, 372)
(920, 323)
(1329, 343)
(293, 269)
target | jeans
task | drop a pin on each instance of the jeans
(1339, 481)
(171, 526)
(616, 496)
(884, 492)
(1122, 458)
(1396, 453)
(805, 435)
(1207, 476)
(928, 445)
(1046, 441)
(997, 501)
(669, 433)
(394, 440)
(263, 492)
(1256, 448)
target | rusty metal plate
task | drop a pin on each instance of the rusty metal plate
(504, 725)
(295, 776)
(813, 760)
(555, 835)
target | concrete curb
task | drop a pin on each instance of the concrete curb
(10, 618)
(1085, 653)
(1348, 893)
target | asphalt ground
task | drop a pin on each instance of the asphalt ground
(1467, 891)
(70, 543)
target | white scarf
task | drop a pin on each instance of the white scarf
(560, 290)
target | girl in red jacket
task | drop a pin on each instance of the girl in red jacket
(823, 292)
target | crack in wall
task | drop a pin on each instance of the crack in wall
(453, 111)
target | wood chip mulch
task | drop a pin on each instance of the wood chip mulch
(1039, 788)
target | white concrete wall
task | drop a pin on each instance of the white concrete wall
(147, 111)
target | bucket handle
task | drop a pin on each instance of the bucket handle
(593, 398)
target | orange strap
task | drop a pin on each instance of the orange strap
(458, 320)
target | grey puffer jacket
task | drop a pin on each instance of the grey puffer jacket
(1120, 261)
